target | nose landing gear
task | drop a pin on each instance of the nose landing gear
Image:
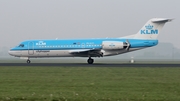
(28, 61)
(90, 61)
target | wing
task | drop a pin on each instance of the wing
(87, 52)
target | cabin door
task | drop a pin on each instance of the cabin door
(30, 48)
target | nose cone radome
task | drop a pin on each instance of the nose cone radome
(11, 53)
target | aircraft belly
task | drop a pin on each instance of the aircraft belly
(49, 53)
(116, 52)
(65, 53)
(112, 52)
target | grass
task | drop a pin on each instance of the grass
(89, 84)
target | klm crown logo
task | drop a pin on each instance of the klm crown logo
(149, 27)
(149, 30)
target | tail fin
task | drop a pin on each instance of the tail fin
(152, 28)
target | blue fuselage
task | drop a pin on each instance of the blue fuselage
(78, 44)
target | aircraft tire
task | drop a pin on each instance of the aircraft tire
(90, 61)
(28, 61)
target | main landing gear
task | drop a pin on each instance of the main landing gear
(28, 61)
(90, 61)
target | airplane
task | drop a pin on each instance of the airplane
(96, 47)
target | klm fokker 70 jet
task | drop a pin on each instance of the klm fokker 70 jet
(146, 37)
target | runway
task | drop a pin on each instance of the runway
(88, 65)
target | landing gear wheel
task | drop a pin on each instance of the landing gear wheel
(90, 61)
(28, 61)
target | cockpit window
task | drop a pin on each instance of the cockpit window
(21, 45)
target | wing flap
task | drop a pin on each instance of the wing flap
(79, 51)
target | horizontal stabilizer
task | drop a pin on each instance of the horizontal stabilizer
(156, 20)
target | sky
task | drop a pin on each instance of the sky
(71, 19)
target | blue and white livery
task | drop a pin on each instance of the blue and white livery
(146, 37)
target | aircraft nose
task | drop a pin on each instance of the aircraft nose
(10, 52)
